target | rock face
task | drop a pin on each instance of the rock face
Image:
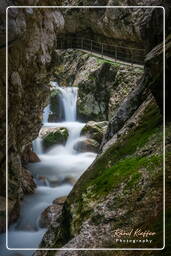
(27, 183)
(104, 24)
(53, 136)
(28, 156)
(102, 84)
(31, 43)
(95, 130)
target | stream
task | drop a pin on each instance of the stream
(57, 164)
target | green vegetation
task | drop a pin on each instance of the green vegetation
(125, 170)
(103, 60)
(58, 137)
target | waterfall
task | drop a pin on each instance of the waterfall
(57, 165)
(69, 100)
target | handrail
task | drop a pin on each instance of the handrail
(132, 55)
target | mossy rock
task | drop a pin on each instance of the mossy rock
(57, 136)
(94, 130)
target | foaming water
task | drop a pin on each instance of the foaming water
(53, 173)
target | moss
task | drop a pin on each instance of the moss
(103, 60)
(58, 137)
(122, 171)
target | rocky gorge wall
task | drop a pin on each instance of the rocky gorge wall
(32, 37)
(29, 66)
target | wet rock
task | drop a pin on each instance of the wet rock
(69, 179)
(41, 180)
(53, 136)
(59, 201)
(56, 181)
(27, 183)
(28, 156)
(87, 145)
(53, 212)
(94, 130)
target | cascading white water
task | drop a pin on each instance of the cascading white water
(46, 112)
(57, 164)
(37, 146)
(69, 100)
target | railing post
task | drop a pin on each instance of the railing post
(102, 50)
(61, 43)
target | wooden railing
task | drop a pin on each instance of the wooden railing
(126, 54)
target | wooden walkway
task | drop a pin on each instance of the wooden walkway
(111, 52)
(114, 60)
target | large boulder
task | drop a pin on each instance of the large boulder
(94, 130)
(52, 213)
(87, 145)
(53, 136)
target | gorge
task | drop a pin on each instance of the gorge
(119, 119)
(53, 174)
